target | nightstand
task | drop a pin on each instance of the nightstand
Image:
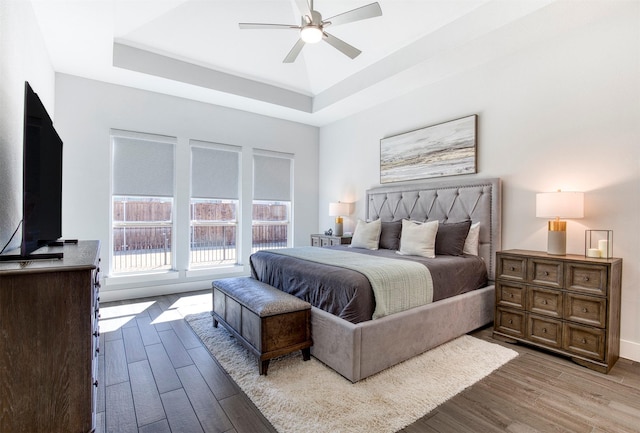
(319, 240)
(569, 305)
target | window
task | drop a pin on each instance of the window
(142, 202)
(271, 220)
(214, 204)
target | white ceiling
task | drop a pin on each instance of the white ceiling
(195, 49)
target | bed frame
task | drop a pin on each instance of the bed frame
(357, 351)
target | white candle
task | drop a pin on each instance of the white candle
(603, 246)
(593, 252)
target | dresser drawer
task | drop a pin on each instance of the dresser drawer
(315, 241)
(511, 295)
(584, 341)
(545, 301)
(513, 268)
(587, 278)
(510, 322)
(545, 331)
(546, 272)
(588, 310)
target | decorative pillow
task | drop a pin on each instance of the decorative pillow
(390, 235)
(473, 238)
(418, 239)
(366, 235)
(451, 237)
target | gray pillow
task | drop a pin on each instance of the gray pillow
(451, 237)
(390, 235)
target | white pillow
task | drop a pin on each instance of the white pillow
(367, 235)
(473, 237)
(418, 239)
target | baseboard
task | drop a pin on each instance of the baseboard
(630, 350)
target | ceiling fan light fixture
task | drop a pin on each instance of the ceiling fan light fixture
(311, 34)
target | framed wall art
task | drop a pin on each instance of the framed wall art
(445, 149)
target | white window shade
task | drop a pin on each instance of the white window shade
(214, 173)
(143, 164)
(271, 178)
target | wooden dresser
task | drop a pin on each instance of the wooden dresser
(49, 342)
(328, 240)
(569, 305)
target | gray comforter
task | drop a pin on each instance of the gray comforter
(347, 293)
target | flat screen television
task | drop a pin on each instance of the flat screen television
(42, 177)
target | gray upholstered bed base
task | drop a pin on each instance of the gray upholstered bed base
(357, 351)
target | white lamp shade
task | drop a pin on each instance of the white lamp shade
(338, 209)
(560, 204)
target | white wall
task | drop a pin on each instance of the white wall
(563, 113)
(23, 57)
(86, 110)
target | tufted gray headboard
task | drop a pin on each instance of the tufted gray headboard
(446, 201)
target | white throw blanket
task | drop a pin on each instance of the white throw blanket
(397, 285)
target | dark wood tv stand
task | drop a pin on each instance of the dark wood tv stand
(49, 342)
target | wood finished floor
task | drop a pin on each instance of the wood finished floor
(156, 376)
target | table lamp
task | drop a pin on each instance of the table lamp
(558, 205)
(338, 210)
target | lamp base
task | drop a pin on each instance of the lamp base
(338, 228)
(557, 243)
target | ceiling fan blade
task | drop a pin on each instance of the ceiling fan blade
(362, 13)
(342, 46)
(303, 6)
(293, 54)
(268, 26)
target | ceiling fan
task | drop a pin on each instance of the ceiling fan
(312, 28)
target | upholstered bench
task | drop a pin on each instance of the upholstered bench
(268, 321)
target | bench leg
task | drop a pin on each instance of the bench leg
(263, 366)
(215, 323)
(306, 354)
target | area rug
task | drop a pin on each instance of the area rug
(299, 396)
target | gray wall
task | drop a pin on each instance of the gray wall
(561, 113)
(86, 111)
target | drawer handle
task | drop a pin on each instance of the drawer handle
(510, 322)
(544, 302)
(546, 273)
(586, 278)
(511, 295)
(95, 383)
(513, 268)
(584, 341)
(584, 310)
(544, 330)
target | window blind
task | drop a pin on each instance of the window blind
(143, 164)
(272, 177)
(214, 171)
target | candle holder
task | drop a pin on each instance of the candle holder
(598, 244)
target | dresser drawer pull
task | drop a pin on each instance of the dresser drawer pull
(511, 295)
(586, 278)
(95, 383)
(584, 341)
(96, 334)
(510, 322)
(512, 268)
(544, 330)
(544, 302)
(546, 273)
(584, 310)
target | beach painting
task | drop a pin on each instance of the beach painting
(446, 149)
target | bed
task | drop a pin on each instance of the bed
(351, 342)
